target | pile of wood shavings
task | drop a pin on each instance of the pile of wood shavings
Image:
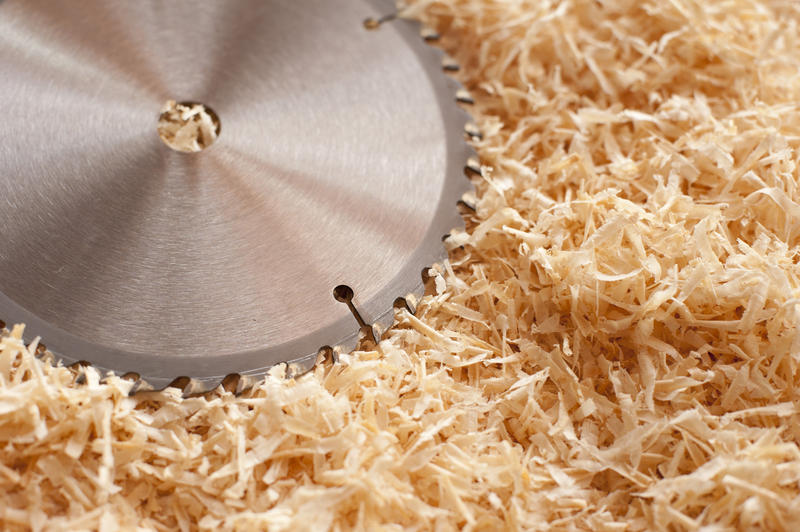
(616, 346)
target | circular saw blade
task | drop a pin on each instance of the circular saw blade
(339, 161)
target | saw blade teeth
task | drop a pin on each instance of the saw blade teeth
(300, 366)
(338, 351)
(401, 304)
(429, 35)
(428, 279)
(328, 355)
(79, 365)
(474, 166)
(412, 302)
(404, 305)
(181, 383)
(473, 131)
(377, 329)
(367, 336)
(199, 387)
(463, 96)
(382, 324)
(248, 381)
(131, 376)
(141, 386)
(231, 383)
(469, 200)
(449, 64)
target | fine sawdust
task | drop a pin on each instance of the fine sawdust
(615, 347)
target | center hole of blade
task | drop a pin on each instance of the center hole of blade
(188, 127)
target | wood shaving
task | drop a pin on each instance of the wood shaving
(615, 346)
(187, 127)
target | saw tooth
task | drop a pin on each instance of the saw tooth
(463, 96)
(429, 35)
(36, 345)
(79, 368)
(378, 328)
(473, 131)
(40, 350)
(79, 365)
(329, 355)
(298, 367)
(231, 383)
(400, 303)
(405, 304)
(191, 387)
(384, 322)
(199, 387)
(449, 64)
(469, 201)
(140, 386)
(412, 302)
(48, 358)
(474, 166)
(368, 337)
(248, 381)
(428, 280)
(180, 383)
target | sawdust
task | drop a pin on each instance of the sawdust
(615, 348)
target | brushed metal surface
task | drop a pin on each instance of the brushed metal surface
(338, 162)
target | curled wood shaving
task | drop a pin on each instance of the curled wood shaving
(613, 346)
